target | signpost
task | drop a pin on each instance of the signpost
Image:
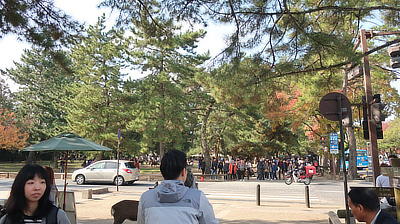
(334, 147)
(336, 106)
(119, 140)
(334, 143)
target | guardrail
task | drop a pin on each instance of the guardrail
(8, 174)
(333, 218)
(222, 177)
(14, 174)
(151, 177)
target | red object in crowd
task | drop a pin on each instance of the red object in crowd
(311, 170)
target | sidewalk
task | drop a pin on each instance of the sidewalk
(241, 209)
(228, 210)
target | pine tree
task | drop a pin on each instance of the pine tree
(94, 108)
(169, 58)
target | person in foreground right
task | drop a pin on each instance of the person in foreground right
(171, 201)
(364, 205)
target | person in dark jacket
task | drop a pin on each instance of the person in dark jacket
(202, 164)
(226, 169)
(221, 166)
(260, 169)
(214, 166)
(364, 204)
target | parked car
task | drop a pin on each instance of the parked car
(106, 171)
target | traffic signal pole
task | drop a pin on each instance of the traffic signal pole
(368, 93)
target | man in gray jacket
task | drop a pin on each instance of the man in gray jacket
(171, 201)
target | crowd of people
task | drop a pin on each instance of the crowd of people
(34, 196)
(266, 168)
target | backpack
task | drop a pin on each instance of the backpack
(2, 211)
(51, 218)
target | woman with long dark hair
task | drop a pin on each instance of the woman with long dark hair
(53, 187)
(29, 199)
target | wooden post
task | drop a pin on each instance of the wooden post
(307, 196)
(368, 94)
(397, 198)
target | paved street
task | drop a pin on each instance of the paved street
(233, 202)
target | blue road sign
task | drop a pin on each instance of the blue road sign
(119, 134)
(334, 143)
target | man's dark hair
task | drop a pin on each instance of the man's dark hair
(172, 164)
(392, 157)
(365, 197)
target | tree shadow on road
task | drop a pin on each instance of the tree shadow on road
(272, 222)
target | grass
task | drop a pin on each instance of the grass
(16, 166)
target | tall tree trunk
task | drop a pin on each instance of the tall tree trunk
(161, 147)
(101, 154)
(351, 137)
(217, 148)
(31, 158)
(206, 152)
(163, 118)
(352, 154)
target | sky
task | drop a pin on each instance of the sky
(12, 49)
(86, 11)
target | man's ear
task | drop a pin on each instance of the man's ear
(361, 207)
(183, 174)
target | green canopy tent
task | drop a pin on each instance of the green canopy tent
(66, 142)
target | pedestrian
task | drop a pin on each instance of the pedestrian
(291, 168)
(171, 201)
(274, 169)
(29, 199)
(214, 165)
(383, 181)
(62, 166)
(241, 169)
(284, 167)
(260, 169)
(202, 165)
(54, 191)
(364, 204)
(267, 169)
(280, 165)
(226, 170)
(248, 168)
(232, 169)
(221, 166)
(137, 165)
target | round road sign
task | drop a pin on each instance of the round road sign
(329, 106)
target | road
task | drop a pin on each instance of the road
(233, 201)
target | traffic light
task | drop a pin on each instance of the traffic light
(377, 116)
(394, 52)
(376, 110)
(322, 140)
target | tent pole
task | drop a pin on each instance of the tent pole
(65, 180)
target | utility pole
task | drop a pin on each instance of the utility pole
(368, 94)
(362, 40)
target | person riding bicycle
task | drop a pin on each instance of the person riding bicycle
(302, 168)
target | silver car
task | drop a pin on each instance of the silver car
(106, 171)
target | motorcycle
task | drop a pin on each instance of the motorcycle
(305, 178)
